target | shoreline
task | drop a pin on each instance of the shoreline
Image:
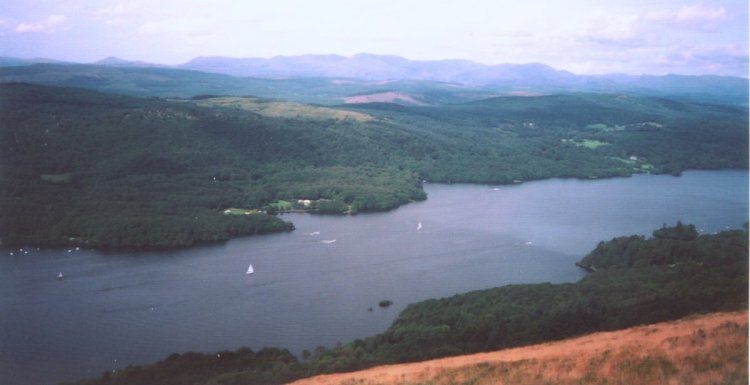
(126, 248)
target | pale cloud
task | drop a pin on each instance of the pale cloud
(612, 28)
(700, 13)
(181, 26)
(588, 36)
(697, 15)
(120, 13)
(50, 24)
(686, 38)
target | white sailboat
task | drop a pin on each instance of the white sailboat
(328, 241)
(250, 269)
(60, 275)
(419, 226)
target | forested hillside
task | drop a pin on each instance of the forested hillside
(570, 135)
(99, 170)
(636, 281)
(633, 280)
(104, 170)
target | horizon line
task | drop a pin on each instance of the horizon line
(49, 60)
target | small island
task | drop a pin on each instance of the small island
(385, 303)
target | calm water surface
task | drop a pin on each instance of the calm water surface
(116, 309)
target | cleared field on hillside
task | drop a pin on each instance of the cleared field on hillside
(283, 109)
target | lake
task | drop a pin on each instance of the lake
(116, 309)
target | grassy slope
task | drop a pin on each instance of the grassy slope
(706, 349)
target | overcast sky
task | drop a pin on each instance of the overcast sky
(582, 36)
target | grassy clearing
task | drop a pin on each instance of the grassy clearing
(280, 109)
(57, 178)
(282, 205)
(605, 128)
(587, 143)
(236, 211)
(592, 144)
(637, 165)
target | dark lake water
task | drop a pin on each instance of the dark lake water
(115, 309)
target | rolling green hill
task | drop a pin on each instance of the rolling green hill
(104, 170)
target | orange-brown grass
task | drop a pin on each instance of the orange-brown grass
(707, 349)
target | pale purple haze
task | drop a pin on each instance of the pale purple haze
(581, 36)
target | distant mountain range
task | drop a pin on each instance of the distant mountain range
(534, 77)
(380, 67)
(501, 78)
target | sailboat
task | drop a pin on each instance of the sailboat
(250, 270)
(419, 226)
(60, 275)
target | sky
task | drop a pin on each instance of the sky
(582, 36)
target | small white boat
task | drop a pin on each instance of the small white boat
(250, 270)
(328, 241)
(315, 233)
(60, 275)
(419, 226)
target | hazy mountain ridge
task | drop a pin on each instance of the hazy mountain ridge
(377, 67)
(117, 62)
(529, 76)
(500, 78)
(142, 81)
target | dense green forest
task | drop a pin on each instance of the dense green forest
(632, 281)
(104, 170)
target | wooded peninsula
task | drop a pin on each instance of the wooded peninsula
(100, 170)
